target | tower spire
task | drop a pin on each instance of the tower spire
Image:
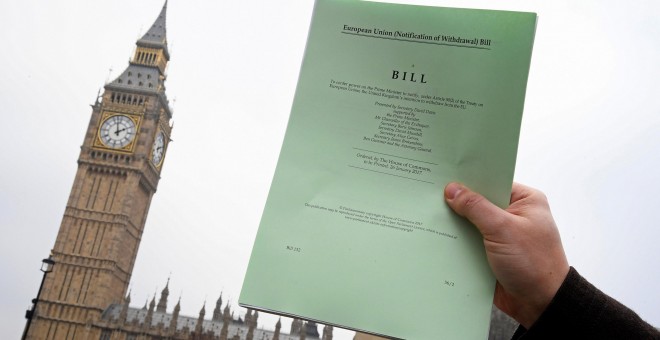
(278, 327)
(150, 313)
(199, 326)
(146, 70)
(123, 314)
(162, 303)
(175, 317)
(156, 36)
(217, 312)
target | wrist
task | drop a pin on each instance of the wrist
(534, 305)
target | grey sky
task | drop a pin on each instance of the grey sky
(590, 135)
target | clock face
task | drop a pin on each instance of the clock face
(158, 149)
(117, 131)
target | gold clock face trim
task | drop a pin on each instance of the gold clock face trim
(158, 149)
(118, 132)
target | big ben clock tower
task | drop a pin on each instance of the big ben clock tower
(118, 172)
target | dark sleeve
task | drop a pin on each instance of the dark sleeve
(580, 310)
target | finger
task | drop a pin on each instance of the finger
(522, 195)
(486, 216)
(519, 192)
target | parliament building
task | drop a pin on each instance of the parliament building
(125, 146)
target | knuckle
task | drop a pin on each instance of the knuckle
(472, 201)
(541, 199)
(540, 195)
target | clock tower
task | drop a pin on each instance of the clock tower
(119, 168)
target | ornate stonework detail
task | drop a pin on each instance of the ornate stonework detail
(105, 215)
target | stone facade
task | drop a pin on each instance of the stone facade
(123, 322)
(118, 172)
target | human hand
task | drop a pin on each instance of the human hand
(523, 247)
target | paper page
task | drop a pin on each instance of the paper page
(393, 102)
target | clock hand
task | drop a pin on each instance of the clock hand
(118, 131)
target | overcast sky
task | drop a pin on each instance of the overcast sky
(590, 136)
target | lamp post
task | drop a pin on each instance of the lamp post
(46, 267)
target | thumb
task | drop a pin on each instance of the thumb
(486, 216)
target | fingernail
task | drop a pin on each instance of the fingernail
(452, 190)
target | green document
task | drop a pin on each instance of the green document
(393, 102)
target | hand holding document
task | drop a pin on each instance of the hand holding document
(393, 102)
